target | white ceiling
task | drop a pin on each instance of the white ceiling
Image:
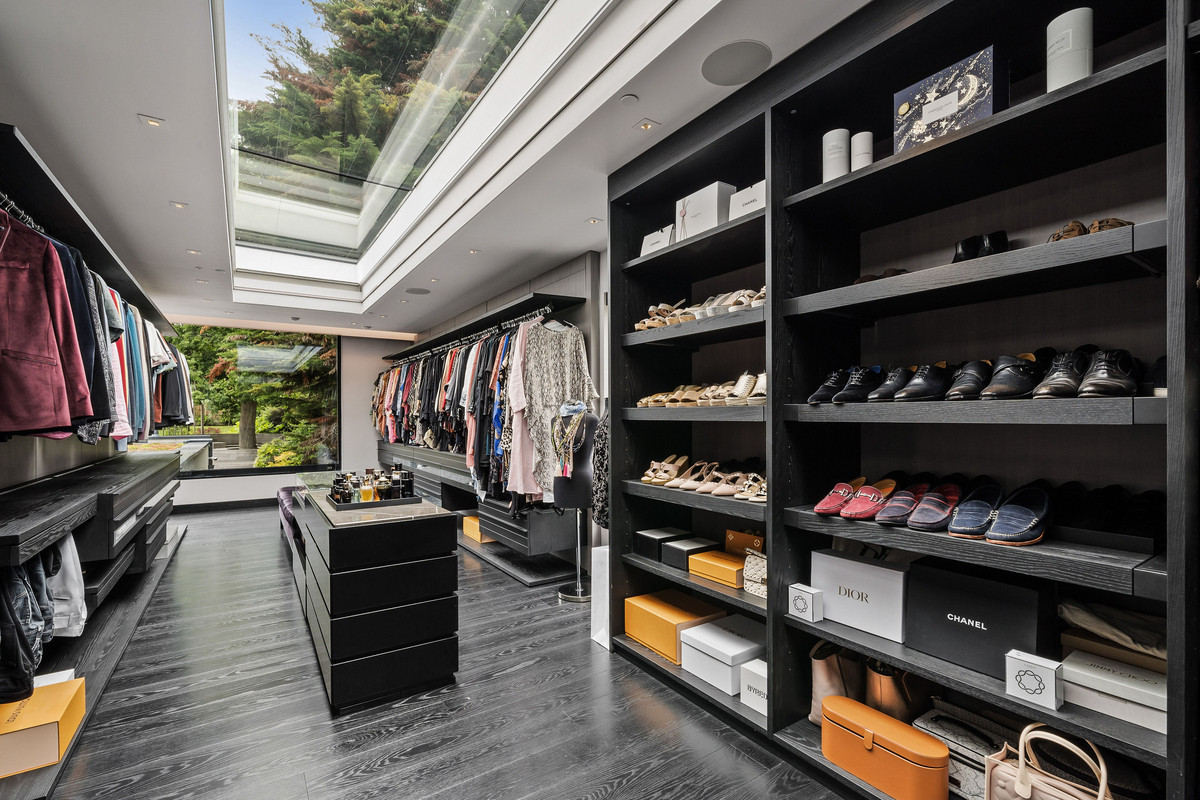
(78, 74)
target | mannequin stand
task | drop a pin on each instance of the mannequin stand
(581, 590)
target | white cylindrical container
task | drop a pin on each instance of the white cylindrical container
(862, 150)
(835, 154)
(1068, 48)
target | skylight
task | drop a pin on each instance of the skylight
(339, 105)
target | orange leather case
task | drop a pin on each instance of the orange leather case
(893, 757)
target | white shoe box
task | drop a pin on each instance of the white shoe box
(754, 685)
(703, 210)
(860, 592)
(748, 200)
(715, 651)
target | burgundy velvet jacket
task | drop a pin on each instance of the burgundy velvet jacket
(42, 380)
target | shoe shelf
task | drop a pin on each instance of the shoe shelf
(1116, 734)
(1048, 135)
(1114, 255)
(697, 414)
(735, 244)
(727, 327)
(1064, 411)
(678, 676)
(1193, 30)
(1078, 564)
(741, 599)
(729, 506)
(803, 739)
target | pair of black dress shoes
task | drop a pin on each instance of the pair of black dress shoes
(986, 244)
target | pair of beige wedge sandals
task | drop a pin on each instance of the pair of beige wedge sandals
(748, 390)
(705, 477)
(663, 315)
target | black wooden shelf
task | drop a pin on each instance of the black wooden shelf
(26, 179)
(1081, 565)
(1193, 30)
(735, 244)
(728, 506)
(1049, 135)
(681, 677)
(497, 316)
(696, 414)
(804, 740)
(727, 327)
(1150, 578)
(1116, 734)
(743, 600)
(1118, 254)
(1064, 411)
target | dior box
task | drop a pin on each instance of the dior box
(1135, 684)
(954, 98)
(1033, 679)
(715, 651)
(861, 592)
(804, 602)
(749, 200)
(754, 685)
(954, 612)
(658, 240)
(648, 544)
(702, 210)
(656, 620)
(676, 553)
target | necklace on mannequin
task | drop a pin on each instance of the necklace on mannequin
(563, 438)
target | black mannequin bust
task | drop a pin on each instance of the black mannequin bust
(574, 490)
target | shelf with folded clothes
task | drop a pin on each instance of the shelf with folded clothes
(677, 675)
(743, 324)
(729, 506)
(739, 598)
(729, 246)
(1010, 148)
(1065, 561)
(1070, 411)
(1116, 734)
(1117, 254)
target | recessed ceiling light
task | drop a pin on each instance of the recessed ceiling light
(191, 252)
(433, 280)
(403, 301)
(152, 122)
(594, 221)
(201, 280)
(736, 63)
(384, 316)
(353, 323)
(208, 299)
(646, 124)
(473, 252)
(230, 313)
(176, 204)
(199, 268)
(295, 319)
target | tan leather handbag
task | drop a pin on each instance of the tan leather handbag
(835, 673)
(895, 692)
(1017, 775)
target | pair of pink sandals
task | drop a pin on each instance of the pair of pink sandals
(704, 477)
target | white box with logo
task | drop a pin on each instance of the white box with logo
(804, 602)
(748, 200)
(702, 210)
(664, 237)
(754, 685)
(1034, 679)
(861, 592)
(1135, 684)
(715, 651)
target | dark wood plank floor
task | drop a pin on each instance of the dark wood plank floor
(218, 696)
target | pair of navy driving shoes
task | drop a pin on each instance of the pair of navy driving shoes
(1018, 520)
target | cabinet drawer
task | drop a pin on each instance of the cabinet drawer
(357, 635)
(375, 545)
(106, 535)
(149, 540)
(357, 590)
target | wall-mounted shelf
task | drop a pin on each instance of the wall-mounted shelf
(739, 598)
(1063, 411)
(26, 179)
(1106, 731)
(696, 414)
(737, 243)
(727, 327)
(729, 506)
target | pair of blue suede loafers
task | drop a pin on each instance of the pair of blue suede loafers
(1017, 520)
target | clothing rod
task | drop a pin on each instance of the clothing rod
(474, 337)
(10, 206)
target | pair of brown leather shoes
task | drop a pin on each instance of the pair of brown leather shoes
(1076, 228)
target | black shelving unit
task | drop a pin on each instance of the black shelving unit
(738, 598)
(1046, 158)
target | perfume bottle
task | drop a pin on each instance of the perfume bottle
(383, 488)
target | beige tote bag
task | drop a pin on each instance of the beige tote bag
(1017, 775)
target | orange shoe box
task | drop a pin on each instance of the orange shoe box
(718, 566)
(36, 731)
(737, 542)
(655, 620)
(471, 530)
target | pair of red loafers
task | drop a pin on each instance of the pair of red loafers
(855, 500)
(922, 505)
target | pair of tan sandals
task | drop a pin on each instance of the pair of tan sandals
(705, 477)
(663, 314)
(748, 390)
(1076, 228)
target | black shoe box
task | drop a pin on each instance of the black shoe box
(967, 617)
(648, 544)
(675, 554)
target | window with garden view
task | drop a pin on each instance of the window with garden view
(264, 398)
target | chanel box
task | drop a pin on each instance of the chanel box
(676, 553)
(715, 651)
(649, 543)
(702, 210)
(861, 592)
(656, 620)
(658, 240)
(804, 602)
(1033, 679)
(747, 201)
(954, 612)
(754, 685)
(954, 98)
